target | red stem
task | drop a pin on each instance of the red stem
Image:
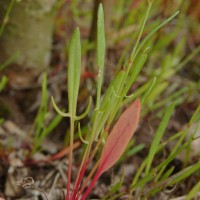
(95, 179)
(82, 170)
(71, 146)
(78, 181)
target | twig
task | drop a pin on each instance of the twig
(29, 183)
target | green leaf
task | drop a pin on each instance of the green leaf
(63, 114)
(3, 82)
(193, 193)
(146, 39)
(51, 126)
(158, 136)
(135, 70)
(176, 178)
(100, 52)
(41, 115)
(74, 71)
(100, 38)
(109, 99)
(85, 112)
(149, 89)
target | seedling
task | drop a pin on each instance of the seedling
(115, 140)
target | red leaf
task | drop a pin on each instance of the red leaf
(117, 141)
(120, 136)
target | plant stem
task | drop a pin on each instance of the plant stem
(85, 161)
(96, 177)
(70, 157)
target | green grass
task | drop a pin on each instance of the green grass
(156, 177)
(158, 137)
(40, 128)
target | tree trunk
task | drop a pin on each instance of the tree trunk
(28, 33)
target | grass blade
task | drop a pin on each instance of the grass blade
(192, 194)
(158, 136)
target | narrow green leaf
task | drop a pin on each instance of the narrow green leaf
(100, 38)
(149, 89)
(145, 180)
(109, 99)
(123, 89)
(193, 193)
(51, 126)
(135, 70)
(115, 85)
(135, 150)
(133, 53)
(167, 173)
(63, 114)
(176, 178)
(100, 52)
(158, 136)
(85, 112)
(3, 82)
(146, 39)
(195, 116)
(188, 58)
(44, 91)
(41, 115)
(74, 71)
(39, 121)
(175, 151)
(80, 134)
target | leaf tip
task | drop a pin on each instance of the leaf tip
(137, 103)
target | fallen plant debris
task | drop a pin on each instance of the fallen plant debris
(28, 183)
